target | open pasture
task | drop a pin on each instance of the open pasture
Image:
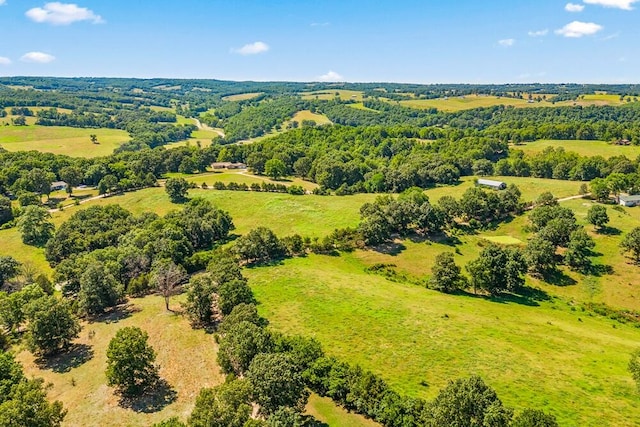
(584, 148)
(320, 119)
(537, 354)
(74, 142)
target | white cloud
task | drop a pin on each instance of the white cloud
(320, 24)
(539, 33)
(331, 76)
(572, 7)
(57, 13)
(611, 36)
(38, 57)
(507, 42)
(2, 2)
(252, 48)
(577, 29)
(4, 60)
(618, 4)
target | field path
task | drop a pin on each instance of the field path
(202, 126)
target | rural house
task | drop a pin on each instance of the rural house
(58, 185)
(228, 165)
(496, 185)
(629, 201)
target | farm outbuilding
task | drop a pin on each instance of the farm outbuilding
(496, 185)
(629, 201)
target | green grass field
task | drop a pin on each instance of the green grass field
(323, 409)
(320, 119)
(70, 141)
(545, 356)
(584, 148)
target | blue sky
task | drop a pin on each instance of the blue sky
(421, 41)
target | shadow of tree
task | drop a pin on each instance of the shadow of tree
(609, 231)
(390, 248)
(558, 278)
(599, 270)
(117, 313)
(76, 355)
(153, 400)
(527, 296)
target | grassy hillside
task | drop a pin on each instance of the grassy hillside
(73, 142)
(539, 354)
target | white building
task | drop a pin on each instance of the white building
(496, 185)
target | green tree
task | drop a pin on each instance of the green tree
(9, 268)
(597, 216)
(468, 403)
(540, 255)
(130, 362)
(167, 278)
(534, 418)
(276, 382)
(546, 199)
(35, 226)
(631, 243)
(498, 270)
(240, 344)
(600, 189)
(275, 168)
(634, 367)
(445, 274)
(107, 184)
(232, 293)
(6, 213)
(256, 162)
(28, 406)
(177, 189)
(579, 250)
(98, 290)
(52, 325)
(72, 175)
(226, 405)
(199, 304)
(13, 306)
(10, 374)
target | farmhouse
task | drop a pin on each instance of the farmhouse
(58, 185)
(629, 201)
(496, 185)
(228, 165)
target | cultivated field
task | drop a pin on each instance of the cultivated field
(70, 141)
(584, 148)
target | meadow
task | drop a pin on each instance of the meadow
(534, 353)
(328, 94)
(583, 148)
(467, 102)
(62, 140)
(242, 96)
